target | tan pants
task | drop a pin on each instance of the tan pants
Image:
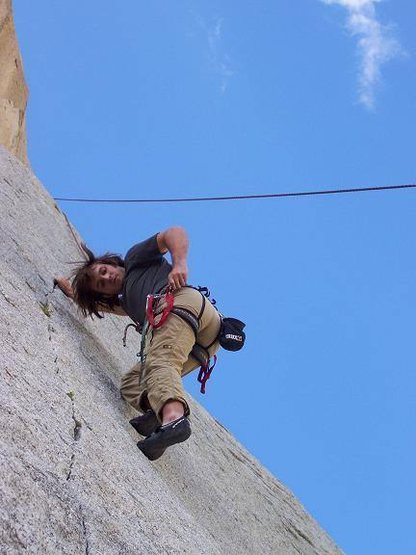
(167, 355)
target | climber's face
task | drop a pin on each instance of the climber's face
(107, 279)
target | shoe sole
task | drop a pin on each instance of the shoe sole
(145, 426)
(155, 445)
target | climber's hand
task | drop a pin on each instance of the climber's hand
(65, 286)
(178, 276)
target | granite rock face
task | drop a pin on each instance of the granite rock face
(71, 477)
(13, 89)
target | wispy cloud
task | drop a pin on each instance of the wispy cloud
(218, 59)
(376, 44)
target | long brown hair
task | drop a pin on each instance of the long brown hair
(88, 300)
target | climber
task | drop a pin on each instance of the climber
(153, 386)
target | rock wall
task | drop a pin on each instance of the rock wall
(72, 480)
(71, 477)
(13, 89)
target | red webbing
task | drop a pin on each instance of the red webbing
(205, 373)
(168, 299)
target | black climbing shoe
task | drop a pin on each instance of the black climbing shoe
(146, 423)
(175, 432)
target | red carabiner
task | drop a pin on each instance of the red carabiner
(168, 299)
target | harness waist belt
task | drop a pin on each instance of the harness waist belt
(188, 317)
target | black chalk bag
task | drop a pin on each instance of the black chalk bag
(231, 336)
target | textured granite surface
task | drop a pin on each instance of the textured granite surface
(71, 477)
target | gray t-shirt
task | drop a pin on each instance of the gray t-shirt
(146, 272)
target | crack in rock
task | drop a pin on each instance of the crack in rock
(51, 331)
(76, 432)
(7, 299)
(84, 529)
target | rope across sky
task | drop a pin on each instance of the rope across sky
(240, 197)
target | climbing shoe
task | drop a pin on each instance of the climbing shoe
(175, 432)
(146, 423)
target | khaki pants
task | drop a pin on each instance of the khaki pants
(167, 355)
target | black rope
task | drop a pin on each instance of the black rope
(74, 236)
(242, 197)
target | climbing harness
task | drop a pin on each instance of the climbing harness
(231, 335)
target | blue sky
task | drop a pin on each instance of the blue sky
(171, 99)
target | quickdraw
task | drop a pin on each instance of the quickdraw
(205, 373)
(168, 305)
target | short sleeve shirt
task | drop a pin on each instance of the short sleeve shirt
(147, 272)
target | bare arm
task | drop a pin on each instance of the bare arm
(175, 240)
(65, 286)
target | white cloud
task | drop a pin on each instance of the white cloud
(375, 43)
(218, 59)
